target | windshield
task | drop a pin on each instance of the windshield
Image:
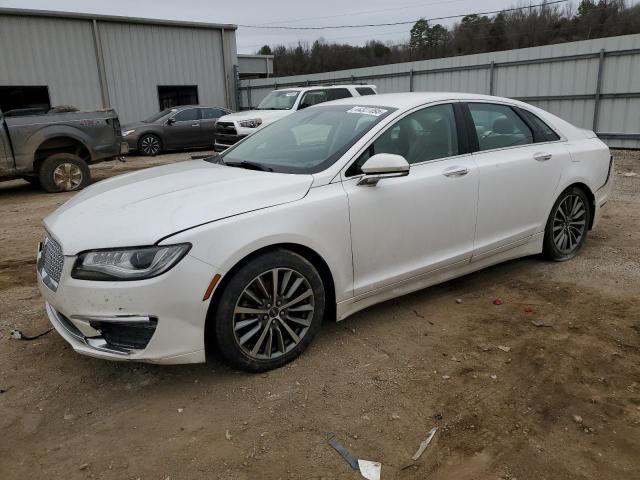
(308, 141)
(279, 100)
(159, 115)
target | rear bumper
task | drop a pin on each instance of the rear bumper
(603, 193)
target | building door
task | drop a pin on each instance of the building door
(175, 95)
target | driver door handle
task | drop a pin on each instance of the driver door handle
(455, 171)
(195, 124)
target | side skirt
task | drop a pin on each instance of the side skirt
(348, 307)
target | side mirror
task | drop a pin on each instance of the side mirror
(383, 165)
(171, 121)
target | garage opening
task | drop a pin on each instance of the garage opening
(176, 95)
(24, 100)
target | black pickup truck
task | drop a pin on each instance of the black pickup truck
(55, 150)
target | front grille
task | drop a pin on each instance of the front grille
(51, 258)
(226, 128)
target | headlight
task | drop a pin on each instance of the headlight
(126, 133)
(251, 123)
(128, 263)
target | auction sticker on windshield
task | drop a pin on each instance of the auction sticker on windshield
(376, 112)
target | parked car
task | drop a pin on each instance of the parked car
(188, 126)
(319, 215)
(54, 150)
(278, 104)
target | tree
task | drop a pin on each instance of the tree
(265, 50)
(520, 28)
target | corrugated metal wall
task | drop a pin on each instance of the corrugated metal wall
(61, 53)
(57, 53)
(138, 58)
(562, 79)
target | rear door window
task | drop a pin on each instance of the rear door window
(499, 126)
(187, 115)
(211, 113)
(365, 91)
(336, 93)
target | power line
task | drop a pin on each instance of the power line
(367, 12)
(327, 27)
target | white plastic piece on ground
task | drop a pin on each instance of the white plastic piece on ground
(425, 443)
(370, 470)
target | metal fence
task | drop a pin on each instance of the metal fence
(593, 84)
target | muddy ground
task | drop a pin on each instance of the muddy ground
(511, 399)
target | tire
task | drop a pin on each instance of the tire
(64, 172)
(256, 342)
(149, 145)
(567, 226)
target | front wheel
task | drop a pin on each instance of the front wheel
(149, 145)
(269, 311)
(567, 226)
(64, 172)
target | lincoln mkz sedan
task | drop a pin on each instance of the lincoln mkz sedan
(314, 217)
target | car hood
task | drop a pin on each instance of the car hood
(143, 207)
(267, 116)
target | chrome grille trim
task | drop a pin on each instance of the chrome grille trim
(50, 261)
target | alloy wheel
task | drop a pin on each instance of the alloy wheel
(273, 313)
(150, 145)
(67, 177)
(569, 223)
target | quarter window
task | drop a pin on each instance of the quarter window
(544, 133)
(499, 126)
(427, 134)
(188, 115)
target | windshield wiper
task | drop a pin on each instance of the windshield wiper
(249, 166)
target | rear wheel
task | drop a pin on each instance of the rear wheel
(269, 311)
(149, 145)
(567, 226)
(64, 172)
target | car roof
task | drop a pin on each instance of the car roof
(415, 99)
(323, 87)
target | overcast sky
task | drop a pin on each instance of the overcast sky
(286, 12)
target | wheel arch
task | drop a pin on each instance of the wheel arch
(304, 251)
(590, 195)
(61, 143)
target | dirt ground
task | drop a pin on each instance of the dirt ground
(510, 399)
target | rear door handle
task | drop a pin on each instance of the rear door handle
(195, 124)
(455, 172)
(542, 157)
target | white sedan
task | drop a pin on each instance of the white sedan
(330, 210)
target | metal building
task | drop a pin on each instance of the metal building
(137, 66)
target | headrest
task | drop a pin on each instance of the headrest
(502, 126)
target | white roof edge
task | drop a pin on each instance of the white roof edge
(113, 18)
